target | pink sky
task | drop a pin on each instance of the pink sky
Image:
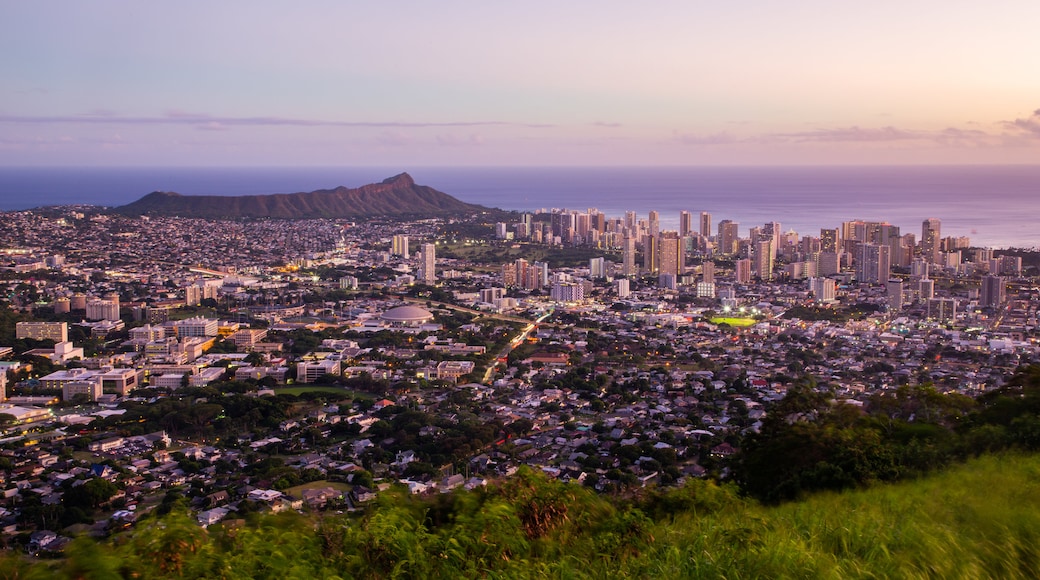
(534, 83)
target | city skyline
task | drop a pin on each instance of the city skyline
(118, 83)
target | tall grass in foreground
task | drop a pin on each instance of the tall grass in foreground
(976, 520)
(981, 520)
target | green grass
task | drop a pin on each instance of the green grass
(297, 491)
(977, 520)
(733, 321)
(301, 389)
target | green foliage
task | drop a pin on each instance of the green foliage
(948, 525)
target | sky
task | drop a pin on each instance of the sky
(424, 83)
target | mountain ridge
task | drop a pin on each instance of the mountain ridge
(398, 196)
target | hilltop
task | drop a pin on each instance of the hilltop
(397, 196)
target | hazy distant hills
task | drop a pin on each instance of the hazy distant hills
(395, 196)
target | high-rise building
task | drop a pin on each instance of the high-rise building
(919, 268)
(894, 289)
(942, 309)
(708, 272)
(728, 237)
(631, 220)
(705, 224)
(764, 257)
(828, 263)
(651, 254)
(489, 295)
(873, 266)
(565, 290)
(772, 229)
(685, 223)
(926, 289)
(597, 268)
(622, 287)
(823, 289)
(742, 269)
(427, 264)
(671, 254)
(654, 223)
(992, 292)
(930, 240)
(100, 309)
(1011, 265)
(983, 255)
(628, 256)
(399, 245)
(830, 240)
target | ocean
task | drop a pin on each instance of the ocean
(996, 206)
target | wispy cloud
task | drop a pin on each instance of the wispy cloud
(854, 134)
(211, 122)
(722, 138)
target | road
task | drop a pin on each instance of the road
(520, 338)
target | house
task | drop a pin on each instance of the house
(212, 516)
(319, 498)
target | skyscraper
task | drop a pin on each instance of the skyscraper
(705, 224)
(708, 272)
(894, 289)
(742, 269)
(399, 246)
(427, 264)
(728, 236)
(650, 254)
(685, 223)
(671, 261)
(764, 257)
(628, 256)
(823, 289)
(654, 223)
(830, 240)
(930, 240)
(873, 266)
(992, 293)
(597, 268)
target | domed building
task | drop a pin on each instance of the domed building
(407, 315)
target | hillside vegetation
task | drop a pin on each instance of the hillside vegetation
(977, 520)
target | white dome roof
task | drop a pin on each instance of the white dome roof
(412, 314)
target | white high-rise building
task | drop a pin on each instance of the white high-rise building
(823, 289)
(622, 286)
(427, 264)
(597, 268)
(628, 257)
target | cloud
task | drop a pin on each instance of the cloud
(963, 137)
(854, 134)
(607, 124)
(202, 120)
(722, 138)
(1030, 125)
